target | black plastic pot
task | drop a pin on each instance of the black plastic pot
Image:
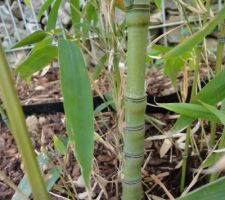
(54, 107)
(152, 107)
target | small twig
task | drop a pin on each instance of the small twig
(58, 196)
(157, 181)
(193, 182)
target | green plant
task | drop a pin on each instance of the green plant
(19, 130)
(69, 49)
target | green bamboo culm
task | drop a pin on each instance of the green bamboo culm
(137, 19)
(19, 130)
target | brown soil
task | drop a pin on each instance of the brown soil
(106, 173)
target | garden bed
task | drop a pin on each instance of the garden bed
(44, 122)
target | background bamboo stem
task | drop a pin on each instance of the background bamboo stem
(19, 130)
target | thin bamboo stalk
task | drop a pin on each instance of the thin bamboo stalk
(188, 132)
(19, 130)
(137, 19)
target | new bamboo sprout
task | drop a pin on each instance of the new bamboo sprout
(137, 18)
(19, 130)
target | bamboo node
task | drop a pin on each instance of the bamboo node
(131, 129)
(139, 7)
(133, 182)
(135, 100)
(133, 156)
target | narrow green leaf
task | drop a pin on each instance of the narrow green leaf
(182, 123)
(52, 175)
(196, 38)
(37, 60)
(98, 68)
(158, 3)
(211, 191)
(91, 12)
(218, 113)
(190, 110)
(172, 67)
(33, 38)
(214, 91)
(78, 104)
(103, 106)
(44, 7)
(46, 41)
(211, 160)
(60, 144)
(75, 13)
(52, 19)
(156, 49)
(109, 97)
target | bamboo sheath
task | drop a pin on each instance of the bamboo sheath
(137, 19)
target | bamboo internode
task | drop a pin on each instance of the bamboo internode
(137, 19)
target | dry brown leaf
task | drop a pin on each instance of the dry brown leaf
(167, 144)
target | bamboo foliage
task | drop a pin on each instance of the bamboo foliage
(137, 19)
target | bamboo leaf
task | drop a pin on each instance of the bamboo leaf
(37, 60)
(98, 68)
(211, 160)
(33, 38)
(52, 19)
(190, 110)
(52, 177)
(158, 3)
(46, 41)
(182, 123)
(44, 7)
(219, 114)
(109, 97)
(172, 67)
(211, 191)
(214, 91)
(75, 14)
(91, 12)
(60, 144)
(103, 106)
(78, 104)
(196, 38)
